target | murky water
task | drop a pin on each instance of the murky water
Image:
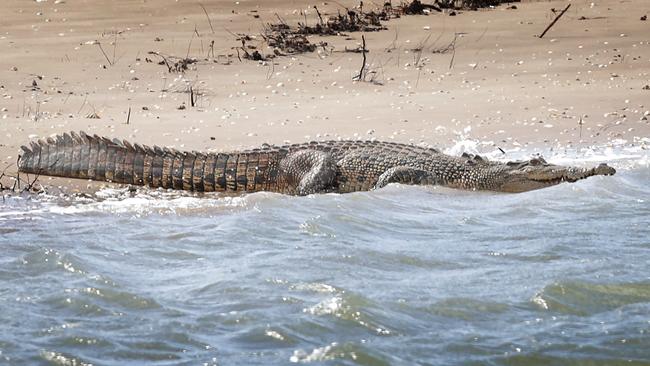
(399, 276)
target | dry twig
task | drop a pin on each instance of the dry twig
(207, 16)
(361, 75)
(555, 21)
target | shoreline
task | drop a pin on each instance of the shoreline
(505, 85)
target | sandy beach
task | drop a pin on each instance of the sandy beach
(434, 79)
(95, 273)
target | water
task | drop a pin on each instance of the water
(400, 276)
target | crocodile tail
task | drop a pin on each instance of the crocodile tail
(98, 158)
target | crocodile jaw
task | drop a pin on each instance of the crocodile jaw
(533, 177)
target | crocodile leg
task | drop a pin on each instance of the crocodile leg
(308, 171)
(406, 175)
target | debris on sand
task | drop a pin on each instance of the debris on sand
(290, 40)
(173, 63)
(416, 7)
(286, 41)
(350, 21)
(470, 4)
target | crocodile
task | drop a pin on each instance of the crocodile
(298, 169)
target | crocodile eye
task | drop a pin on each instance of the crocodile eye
(536, 161)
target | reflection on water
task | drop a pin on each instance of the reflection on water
(403, 275)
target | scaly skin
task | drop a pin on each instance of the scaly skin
(315, 167)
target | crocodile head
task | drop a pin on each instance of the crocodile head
(522, 176)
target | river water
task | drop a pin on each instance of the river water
(400, 276)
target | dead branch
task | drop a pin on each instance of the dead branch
(555, 20)
(29, 184)
(449, 47)
(453, 56)
(207, 16)
(104, 53)
(361, 75)
(114, 47)
(320, 18)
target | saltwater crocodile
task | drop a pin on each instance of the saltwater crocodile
(300, 169)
